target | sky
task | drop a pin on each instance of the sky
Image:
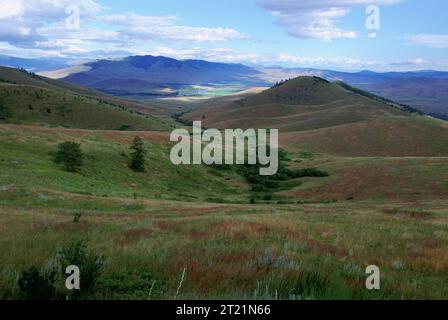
(352, 35)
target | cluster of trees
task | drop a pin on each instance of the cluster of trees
(31, 74)
(279, 83)
(70, 156)
(178, 118)
(278, 182)
(273, 183)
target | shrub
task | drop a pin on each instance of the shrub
(36, 286)
(125, 127)
(70, 155)
(90, 266)
(5, 112)
(77, 217)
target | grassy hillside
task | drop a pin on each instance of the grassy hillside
(396, 136)
(27, 163)
(29, 99)
(21, 77)
(300, 104)
(151, 227)
(428, 94)
(384, 179)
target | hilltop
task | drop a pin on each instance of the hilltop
(299, 104)
(333, 118)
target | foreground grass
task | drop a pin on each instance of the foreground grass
(237, 251)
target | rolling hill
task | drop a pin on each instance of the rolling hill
(315, 115)
(31, 99)
(424, 90)
(300, 104)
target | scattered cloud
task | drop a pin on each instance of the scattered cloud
(20, 20)
(266, 59)
(315, 19)
(40, 24)
(419, 62)
(168, 28)
(36, 28)
(438, 41)
(215, 54)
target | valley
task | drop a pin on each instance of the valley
(366, 184)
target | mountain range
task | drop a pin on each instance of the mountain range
(157, 76)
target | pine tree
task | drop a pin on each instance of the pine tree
(70, 155)
(138, 155)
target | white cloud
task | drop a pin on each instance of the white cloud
(438, 41)
(265, 59)
(20, 20)
(315, 19)
(11, 9)
(40, 25)
(215, 54)
(167, 28)
(341, 62)
(419, 62)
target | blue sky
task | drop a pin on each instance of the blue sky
(412, 34)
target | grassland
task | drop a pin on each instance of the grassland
(150, 227)
(304, 103)
(235, 251)
(21, 77)
(24, 92)
(393, 136)
(383, 202)
(33, 105)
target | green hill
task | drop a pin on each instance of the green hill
(30, 99)
(303, 103)
(397, 136)
(313, 114)
(27, 163)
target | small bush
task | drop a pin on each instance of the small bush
(125, 127)
(89, 264)
(77, 217)
(5, 112)
(34, 285)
